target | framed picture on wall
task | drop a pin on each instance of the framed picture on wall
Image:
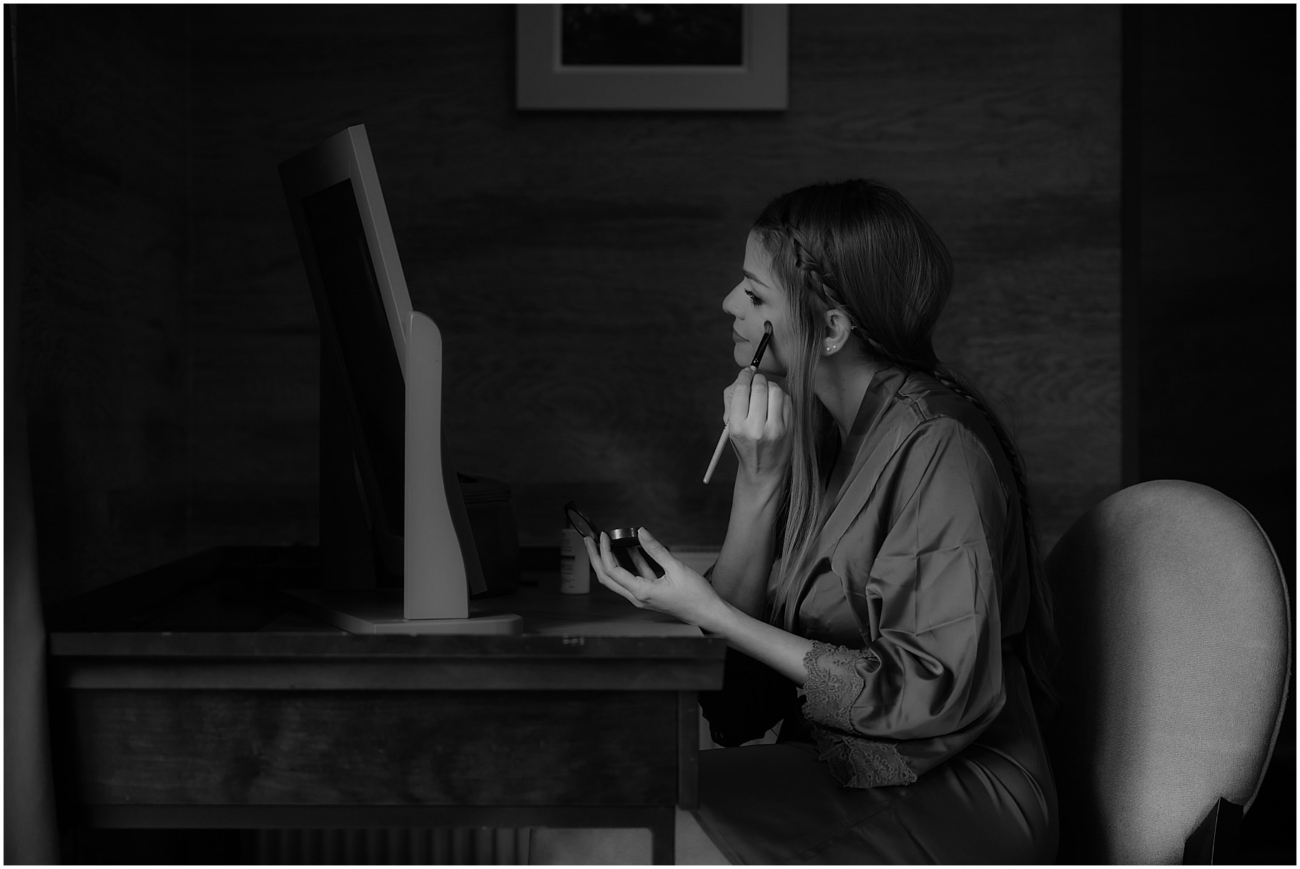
(651, 56)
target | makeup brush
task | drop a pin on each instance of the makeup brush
(722, 441)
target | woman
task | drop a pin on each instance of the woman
(880, 565)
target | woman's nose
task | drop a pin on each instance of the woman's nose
(729, 302)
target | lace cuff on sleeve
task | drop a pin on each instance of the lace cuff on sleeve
(832, 687)
(833, 684)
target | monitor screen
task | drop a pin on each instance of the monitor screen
(370, 361)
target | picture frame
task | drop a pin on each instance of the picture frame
(758, 39)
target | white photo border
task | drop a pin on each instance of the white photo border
(759, 84)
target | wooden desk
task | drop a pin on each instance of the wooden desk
(191, 697)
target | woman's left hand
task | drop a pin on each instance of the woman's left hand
(680, 592)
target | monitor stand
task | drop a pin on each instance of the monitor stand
(379, 611)
(354, 556)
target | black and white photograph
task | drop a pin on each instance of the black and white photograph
(652, 34)
(673, 56)
(639, 434)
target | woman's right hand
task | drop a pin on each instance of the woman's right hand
(757, 414)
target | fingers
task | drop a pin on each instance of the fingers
(603, 571)
(757, 400)
(748, 401)
(659, 553)
(654, 548)
(642, 567)
(776, 408)
(598, 562)
(594, 554)
(768, 411)
(758, 392)
(739, 407)
(612, 568)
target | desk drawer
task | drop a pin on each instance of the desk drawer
(517, 748)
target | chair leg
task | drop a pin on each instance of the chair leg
(1216, 838)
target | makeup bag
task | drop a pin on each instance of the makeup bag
(496, 537)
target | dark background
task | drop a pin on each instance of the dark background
(1209, 287)
(1116, 185)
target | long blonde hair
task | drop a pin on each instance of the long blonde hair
(859, 246)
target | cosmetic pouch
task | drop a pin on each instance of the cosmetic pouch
(496, 537)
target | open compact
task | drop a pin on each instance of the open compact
(622, 541)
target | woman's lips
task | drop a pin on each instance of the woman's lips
(737, 337)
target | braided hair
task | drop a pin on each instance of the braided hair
(861, 248)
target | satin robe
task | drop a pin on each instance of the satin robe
(914, 739)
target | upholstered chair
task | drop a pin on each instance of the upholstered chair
(1175, 636)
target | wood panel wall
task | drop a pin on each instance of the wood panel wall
(103, 101)
(576, 262)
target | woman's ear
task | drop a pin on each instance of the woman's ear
(836, 332)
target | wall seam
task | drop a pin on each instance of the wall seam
(188, 530)
(1130, 190)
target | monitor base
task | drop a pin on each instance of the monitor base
(379, 611)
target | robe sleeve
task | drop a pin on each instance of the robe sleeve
(932, 663)
(753, 699)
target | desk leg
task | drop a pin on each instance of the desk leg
(688, 750)
(663, 837)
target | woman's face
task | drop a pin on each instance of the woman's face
(758, 297)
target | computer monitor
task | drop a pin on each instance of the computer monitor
(381, 376)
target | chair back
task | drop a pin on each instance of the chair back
(1175, 628)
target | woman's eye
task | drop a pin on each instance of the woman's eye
(753, 298)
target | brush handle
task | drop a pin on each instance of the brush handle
(717, 454)
(722, 441)
(762, 345)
